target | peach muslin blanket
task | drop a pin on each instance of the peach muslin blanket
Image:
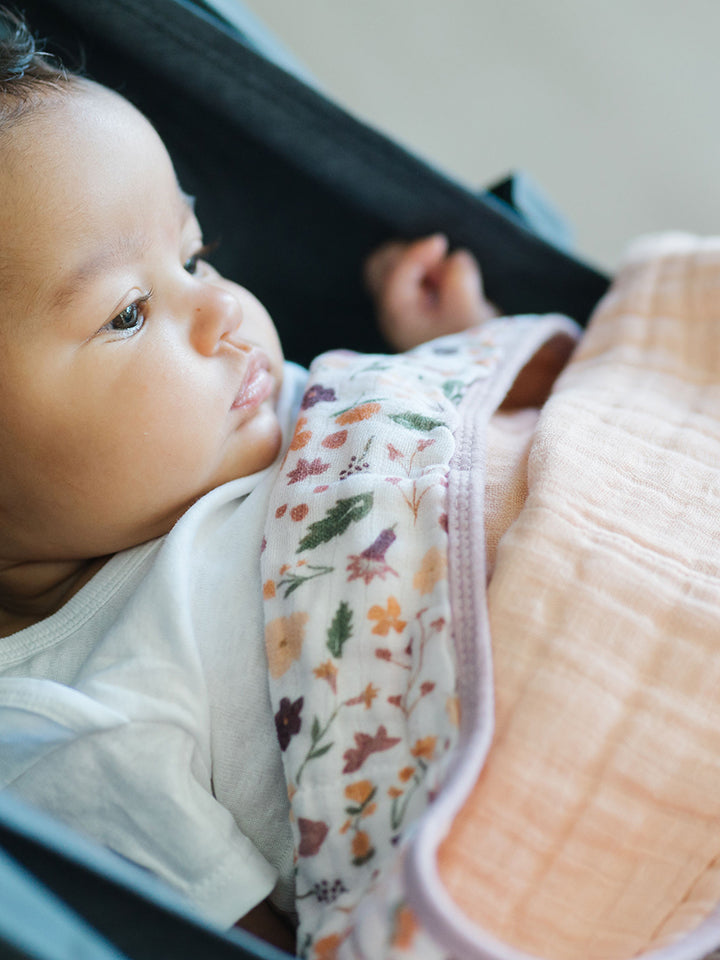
(593, 830)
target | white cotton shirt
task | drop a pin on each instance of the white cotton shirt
(139, 713)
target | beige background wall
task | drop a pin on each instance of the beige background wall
(612, 107)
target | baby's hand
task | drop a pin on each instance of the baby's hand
(422, 292)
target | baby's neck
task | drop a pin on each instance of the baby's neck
(30, 592)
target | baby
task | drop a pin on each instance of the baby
(144, 404)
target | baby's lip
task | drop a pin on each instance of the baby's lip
(258, 383)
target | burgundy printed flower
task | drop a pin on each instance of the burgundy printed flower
(312, 836)
(365, 746)
(288, 721)
(305, 469)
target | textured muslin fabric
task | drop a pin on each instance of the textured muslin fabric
(509, 436)
(593, 828)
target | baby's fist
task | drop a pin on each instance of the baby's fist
(422, 292)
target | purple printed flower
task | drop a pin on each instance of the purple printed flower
(317, 394)
(288, 721)
(371, 562)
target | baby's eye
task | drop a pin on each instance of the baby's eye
(130, 320)
(205, 251)
(191, 263)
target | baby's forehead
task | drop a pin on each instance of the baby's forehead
(81, 171)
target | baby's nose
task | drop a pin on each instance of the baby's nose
(217, 314)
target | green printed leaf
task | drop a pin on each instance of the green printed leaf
(340, 629)
(416, 421)
(359, 861)
(316, 731)
(295, 580)
(313, 755)
(336, 520)
(453, 390)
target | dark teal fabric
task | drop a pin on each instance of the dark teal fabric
(298, 190)
(64, 898)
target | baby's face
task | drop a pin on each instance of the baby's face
(134, 377)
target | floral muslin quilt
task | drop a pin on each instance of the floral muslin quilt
(364, 632)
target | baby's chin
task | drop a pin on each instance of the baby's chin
(257, 444)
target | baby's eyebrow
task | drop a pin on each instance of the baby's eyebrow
(117, 249)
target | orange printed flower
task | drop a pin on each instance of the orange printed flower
(299, 512)
(356, 414)
(269, 589)
(369, 810)
(327, 671)
(284, 638)
(359, 791)
(388, 618)
(395, 792)
(335, 440)
(366, 697)
(405, 774)
(424, 748)
(301, 436)
(327, 947)
(433, 568)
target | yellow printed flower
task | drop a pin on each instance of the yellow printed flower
(283, 640)
(361, 845)
(452, 708)
(424, 748)
(359, 791)
(388, 618)
(433, 568)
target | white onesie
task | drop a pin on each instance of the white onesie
(139, 712)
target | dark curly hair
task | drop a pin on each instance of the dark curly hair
(26, 70)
